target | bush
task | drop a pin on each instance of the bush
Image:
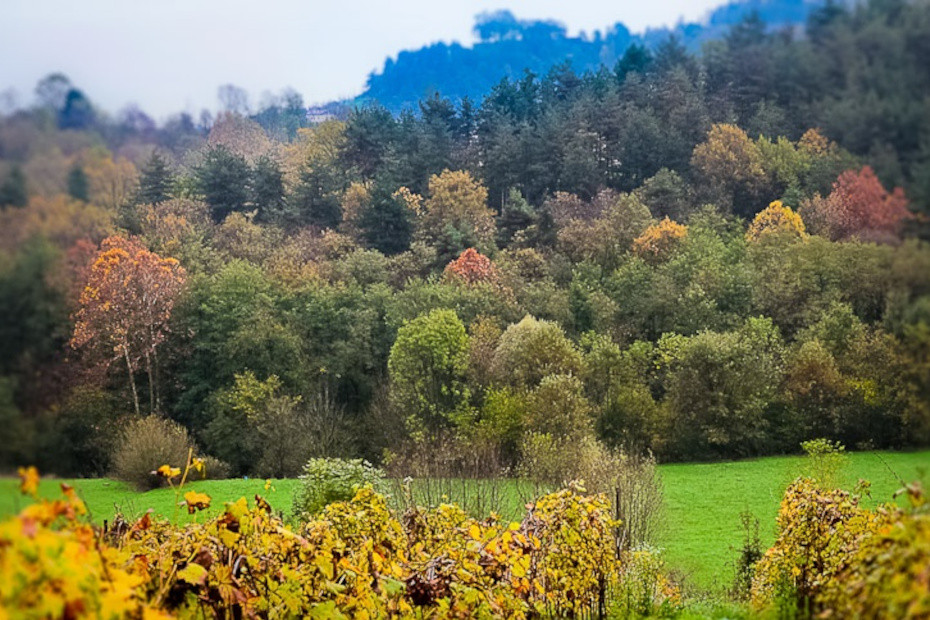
(630, 482)
(825, 460)
(819, 533)
(750, 552)
(643, 588)
(215, 469)
(144, 445)
(442, 468)
(356, 559)
(889, 577)
(325, 481)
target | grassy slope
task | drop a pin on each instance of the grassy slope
(703, 501)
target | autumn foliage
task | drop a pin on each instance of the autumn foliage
(858, 207)
(775, 219)
(659, 240)
(835, 558)
(472, 267)
(729, 163)
(357, 559)
(125, 305)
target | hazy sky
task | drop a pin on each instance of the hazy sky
(171, 55)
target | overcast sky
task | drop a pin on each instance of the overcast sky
(171, 55)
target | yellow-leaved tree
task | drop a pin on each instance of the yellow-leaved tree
(776, 219)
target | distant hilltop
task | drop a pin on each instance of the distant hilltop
(508, 46)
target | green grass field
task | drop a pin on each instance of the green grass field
(703, 501)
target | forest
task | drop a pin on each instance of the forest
(506, 46)
(684, 256)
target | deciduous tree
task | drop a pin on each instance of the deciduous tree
(125, 307)
(858, 206)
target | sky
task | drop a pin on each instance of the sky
(170, 56)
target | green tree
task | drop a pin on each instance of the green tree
(13, 189)
(317, 199)
(267, 190)
(223, 179)
(78, 184)
(386, 223)
(719, 386)
(533, 349)
(155, 180)
(229, 434)
(428, 365)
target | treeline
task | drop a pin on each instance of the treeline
(579, 263)
(506, 46)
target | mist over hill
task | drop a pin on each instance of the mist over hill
(507, 46)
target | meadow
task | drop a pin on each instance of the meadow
(703, 501)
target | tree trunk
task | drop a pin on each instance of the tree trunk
(132, 379)
(148, 368)
(155, 376)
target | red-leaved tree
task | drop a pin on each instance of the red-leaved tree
(858, 207)
(124, 309)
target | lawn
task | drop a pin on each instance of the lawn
(703, 501)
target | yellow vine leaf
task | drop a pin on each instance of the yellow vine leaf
(196, 501)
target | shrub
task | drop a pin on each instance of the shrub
(750, 552)
(825, 460)
(630, 482)
(643, 588)
(819, 532)
(328, 480)
(889, 577)
(636, 494)
(55, 566)
(145, 444)
(356, 559)
(444, 467)
(215, 469)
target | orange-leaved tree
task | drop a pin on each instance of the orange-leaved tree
(472, 267)
(659, 240)
(124, 309)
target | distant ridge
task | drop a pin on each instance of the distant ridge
(507, 46)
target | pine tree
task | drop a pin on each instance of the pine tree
(268, 190)
(516, 215)
(316, 199)
(78, 186)
(223, 179)
(13, 190)
(155, 180)
(386, 223)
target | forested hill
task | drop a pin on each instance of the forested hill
(507, 46)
